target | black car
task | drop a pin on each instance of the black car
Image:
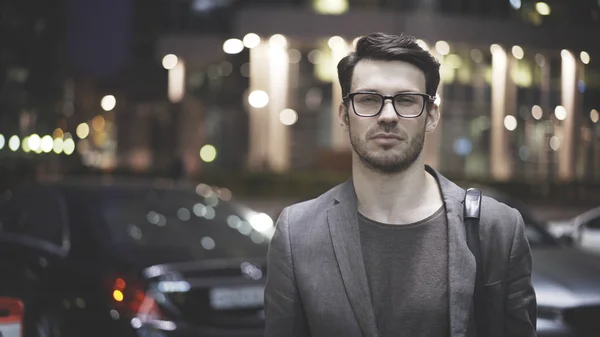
(130, 259)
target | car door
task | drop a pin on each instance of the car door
(34, 238)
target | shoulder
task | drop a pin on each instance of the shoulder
(305, 223)
(500, 226)
(306, 211)
(495, 211)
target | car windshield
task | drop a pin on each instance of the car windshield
(149, 226)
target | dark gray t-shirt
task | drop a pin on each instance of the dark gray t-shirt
(407, 270)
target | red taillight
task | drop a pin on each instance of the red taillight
(124, 293)
(120, 284)
(131, 297)
(14, 314)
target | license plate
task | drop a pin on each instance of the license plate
(222, 298)
(10, 329)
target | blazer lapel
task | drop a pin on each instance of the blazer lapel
(461, 262)
(343, 226)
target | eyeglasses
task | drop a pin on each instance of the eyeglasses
(406, 104)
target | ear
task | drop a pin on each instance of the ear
(433, 117)
(343, 117)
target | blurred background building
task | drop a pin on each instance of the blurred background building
(185, 86)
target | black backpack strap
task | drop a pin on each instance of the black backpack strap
(472, 212)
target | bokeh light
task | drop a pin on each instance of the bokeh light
(518, 52)
(442, 47)
(58, 133)
(560, 112)
(536, 112)
(251, 40)
(34, 142)
(288, 117)
(208, 153)
(57, 147)
(423, 44)
(585, 57)
(108, 102)
(69, 146)
(542, 8)
(98, 123)
(278, 40)
(594, 116)
(47, 143)
(336, 42)
(510, 122)
(233, 46)
(169, 61)
(258, 99)
(14, 142)
(555, 143)
(82, 131)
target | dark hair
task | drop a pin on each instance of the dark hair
(387, 47)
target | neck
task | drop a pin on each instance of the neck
(403, 197)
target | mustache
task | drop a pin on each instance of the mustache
(387, 128)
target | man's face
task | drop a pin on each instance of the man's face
(387, 143)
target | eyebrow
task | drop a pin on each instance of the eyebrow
(395, 93)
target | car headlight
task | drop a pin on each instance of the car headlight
(550, 313)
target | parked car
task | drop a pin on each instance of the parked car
(584, 230)
(566, 279)
(89, 258)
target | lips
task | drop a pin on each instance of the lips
(387, 136)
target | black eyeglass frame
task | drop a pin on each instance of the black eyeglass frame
(426, 99)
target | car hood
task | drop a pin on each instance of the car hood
(565, 277)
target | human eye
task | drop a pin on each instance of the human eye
(367, 98)
(407, 99)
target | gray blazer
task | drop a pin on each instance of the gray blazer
(317, 286)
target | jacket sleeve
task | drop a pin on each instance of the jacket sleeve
(284, 313)
(521, 302)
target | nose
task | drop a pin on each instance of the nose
(388, 114)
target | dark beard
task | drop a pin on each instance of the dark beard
(387, 164)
